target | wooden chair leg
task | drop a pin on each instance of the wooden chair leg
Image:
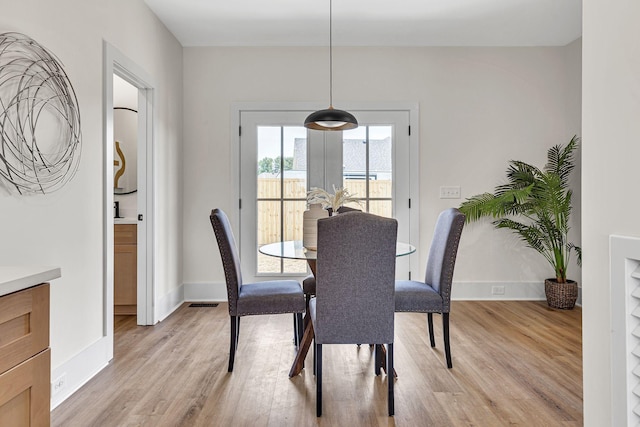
(318, 353)
(445, 332)
(233, 340)
(430, 322)
(390, 379)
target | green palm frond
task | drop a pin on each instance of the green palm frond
(560, 159)
(541, 198)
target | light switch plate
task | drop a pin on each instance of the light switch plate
(450, 192)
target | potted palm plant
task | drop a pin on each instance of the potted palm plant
(536, 205)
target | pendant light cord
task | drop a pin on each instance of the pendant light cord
(330, 55)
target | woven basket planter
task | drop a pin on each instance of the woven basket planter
(561, 295)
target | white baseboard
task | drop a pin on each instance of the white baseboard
(217, 292)
(169, 303)
(80, 369)
(205, 291)
(520, 291)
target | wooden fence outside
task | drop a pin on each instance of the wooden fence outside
(295, 188)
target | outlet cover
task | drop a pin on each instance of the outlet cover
(450, 192)
(58, 385)
(497, 290)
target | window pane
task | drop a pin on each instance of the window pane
(357, 188)
(282, 175)
(268, 264)
(268, 222)
(293, 220)
(380, 161)
(268, 229)
(294, 266)
(295, 162)
(293, 211)
(381, 207)
(368, 166)
(269, 150)
(354, 158)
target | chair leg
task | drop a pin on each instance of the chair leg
(378, 358)
(233, 340)
(445, 332)
(430, 322)
(390, 378)
(318, 380)
(307, 317)
(299, 328)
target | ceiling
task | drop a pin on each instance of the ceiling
(371, 22)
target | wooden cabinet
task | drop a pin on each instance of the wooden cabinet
(125, 265)
(25, 360)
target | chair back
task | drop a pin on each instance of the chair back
(230, 258)
(355, 276)
(442, 254)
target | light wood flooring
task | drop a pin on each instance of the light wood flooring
(514, 363)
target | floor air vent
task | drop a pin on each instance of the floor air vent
(203, 304)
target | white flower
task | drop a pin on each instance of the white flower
(334, 201)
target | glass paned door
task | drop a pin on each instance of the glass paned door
(280, 160)
(281, 181)
(273, 181)
(376, 167)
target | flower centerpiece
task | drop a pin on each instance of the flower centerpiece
(320, 201)
(339, 198)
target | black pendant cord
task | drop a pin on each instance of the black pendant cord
(330, 55)
(330, 118)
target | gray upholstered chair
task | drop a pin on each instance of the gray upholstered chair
(354, 301)
(269, 297)
(434, 294)
(309, 282)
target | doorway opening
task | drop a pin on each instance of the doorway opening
(125, 194)
(128, 173)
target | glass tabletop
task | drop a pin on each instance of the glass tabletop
(293, 249)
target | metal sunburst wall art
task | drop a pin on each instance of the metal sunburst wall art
(39, 118)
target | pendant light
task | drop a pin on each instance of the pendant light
(331, 118)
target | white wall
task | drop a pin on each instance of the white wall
(65, 228)
(611, 125)
(479, 108)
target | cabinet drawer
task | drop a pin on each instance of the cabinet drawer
(125, 234)
(24, 325)
(25, 393)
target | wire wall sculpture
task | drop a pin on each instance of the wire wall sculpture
(39, 118)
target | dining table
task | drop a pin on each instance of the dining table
(294, 249)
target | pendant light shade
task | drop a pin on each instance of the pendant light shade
(331, 118)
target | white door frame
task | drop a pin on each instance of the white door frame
(116, 63)
(414, 181)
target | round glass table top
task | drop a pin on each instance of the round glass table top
(293, 249)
